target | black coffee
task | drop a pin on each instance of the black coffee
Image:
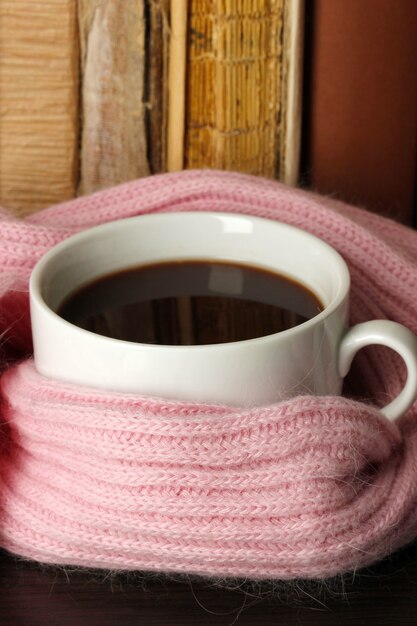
(183, 302)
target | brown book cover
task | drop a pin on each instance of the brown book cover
(157, 16)
(361, 102)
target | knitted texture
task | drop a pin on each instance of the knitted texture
(309, 487)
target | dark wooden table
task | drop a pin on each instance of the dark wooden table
(35, 595)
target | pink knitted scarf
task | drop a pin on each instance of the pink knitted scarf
(310, 487)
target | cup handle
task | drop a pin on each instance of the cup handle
(392, 335)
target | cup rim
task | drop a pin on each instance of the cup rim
(35, 281)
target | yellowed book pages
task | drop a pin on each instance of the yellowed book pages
(38, 103)
(241, 59)
(113, 144)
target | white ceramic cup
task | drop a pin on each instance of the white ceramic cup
(311, 358)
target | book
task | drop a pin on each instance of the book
(157, 16)
(243, 108)
(361, 113)
(113, 136)
(39, 119)
(124, 102)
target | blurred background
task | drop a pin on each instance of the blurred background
(317, 93)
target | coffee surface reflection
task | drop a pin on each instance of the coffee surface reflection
(190, 302)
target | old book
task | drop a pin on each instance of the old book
(157, 15)
(123, 61)
(361, 121)
(113, 141)
(38, 103)
(243, 86)
(177, 84)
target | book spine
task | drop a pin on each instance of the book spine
(157, 15)
(239, 64)
(114, 141)
(39, 86)
(176, 84)
(289, 127)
